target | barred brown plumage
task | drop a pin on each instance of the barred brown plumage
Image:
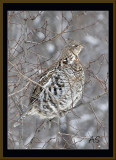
(62, 85)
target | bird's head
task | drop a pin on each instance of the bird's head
(71, 51)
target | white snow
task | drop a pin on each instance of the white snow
(50, 47)
(91, 39)
(40, 35)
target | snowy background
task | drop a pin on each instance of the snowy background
(35, 41)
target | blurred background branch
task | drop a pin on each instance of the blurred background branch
(36, 40)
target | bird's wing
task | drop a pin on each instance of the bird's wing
(42, 81)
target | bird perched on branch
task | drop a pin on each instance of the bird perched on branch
(60, 87)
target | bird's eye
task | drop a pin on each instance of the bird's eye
(65, 61)
(75, 45)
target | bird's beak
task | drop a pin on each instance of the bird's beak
(81, 46)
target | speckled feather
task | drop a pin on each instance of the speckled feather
(63, 85)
